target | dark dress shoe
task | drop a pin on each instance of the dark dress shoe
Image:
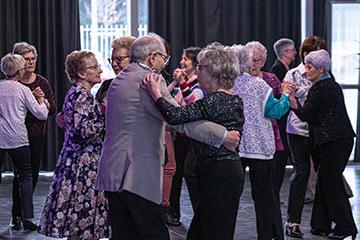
(318, 232)
(170, 220)
(293, 231)
(15, 223)
(28, 225)
(308, 200)
(338, 236)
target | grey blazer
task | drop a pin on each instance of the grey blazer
(133, 149)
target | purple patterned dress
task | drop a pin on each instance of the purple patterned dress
(73, 208)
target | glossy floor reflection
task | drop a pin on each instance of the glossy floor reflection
(245, 228)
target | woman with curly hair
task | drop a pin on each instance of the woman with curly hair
(73, 207)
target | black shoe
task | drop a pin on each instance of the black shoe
(28, 225)
(293, 231)
(170, 220)
(308, 200)
(15, 223)
(336, 236)
(318, 232)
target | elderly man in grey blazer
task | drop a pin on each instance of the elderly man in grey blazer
(131, 163)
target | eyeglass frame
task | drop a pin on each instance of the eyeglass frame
(201, 66)
(30, 59)
(165, 57)
(117, 59)
(96, 66)
(291, 49)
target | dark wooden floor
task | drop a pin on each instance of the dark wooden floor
(245, 228)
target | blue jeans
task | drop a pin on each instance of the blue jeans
(20, 158)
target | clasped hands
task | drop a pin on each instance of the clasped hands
(290, 89)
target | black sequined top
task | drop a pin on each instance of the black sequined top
(219, 107)
(325, 111)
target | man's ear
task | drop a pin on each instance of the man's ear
(151, 59)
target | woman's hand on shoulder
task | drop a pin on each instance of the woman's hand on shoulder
(152, 82)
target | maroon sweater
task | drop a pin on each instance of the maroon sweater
(34, 126)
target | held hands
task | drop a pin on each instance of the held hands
(152, 83)
(38, 92)
(179, 75)
(232, 140)
(288, 88)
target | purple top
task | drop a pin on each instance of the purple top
(275, 84)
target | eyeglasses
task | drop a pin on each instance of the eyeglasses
(200, 66)
(97, 66)
(117, 59)
(257, 61)
(291, 49)
(166, 58)
(30, 59)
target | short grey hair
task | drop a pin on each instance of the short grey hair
(281, 45)
(144, 46)
(319, 59)
(11, 64)
(24, 47)
(244, 55)
(221, 63)
(257, 46)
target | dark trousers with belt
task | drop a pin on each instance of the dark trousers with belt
(267, 207)
(20, 158)
(185, 167)
(36, 144)
(300, 150)
(220, 187)
(133, 218)
(331, 201)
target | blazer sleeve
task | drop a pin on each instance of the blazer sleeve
(203, 131)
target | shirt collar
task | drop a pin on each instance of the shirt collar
(146, 67)
(301, 69)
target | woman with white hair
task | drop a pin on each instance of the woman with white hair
(218, 170)
(333, 139)
(16, 100)
(257, 146)
(259, 55)
(35, 127)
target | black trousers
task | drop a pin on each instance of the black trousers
(36, 144)
(300, 150)
(281, 157)
(133, 218)
(185, 167)
(267, 207)
(280, 160)
(331, 201)
(20, 158)
(220, 187)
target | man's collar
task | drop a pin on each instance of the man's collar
(146, 67)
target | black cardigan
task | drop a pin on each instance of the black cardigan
(325, 111)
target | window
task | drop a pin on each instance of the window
(101, 21)
(345, 49)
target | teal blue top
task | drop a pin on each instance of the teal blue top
(276, 108)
